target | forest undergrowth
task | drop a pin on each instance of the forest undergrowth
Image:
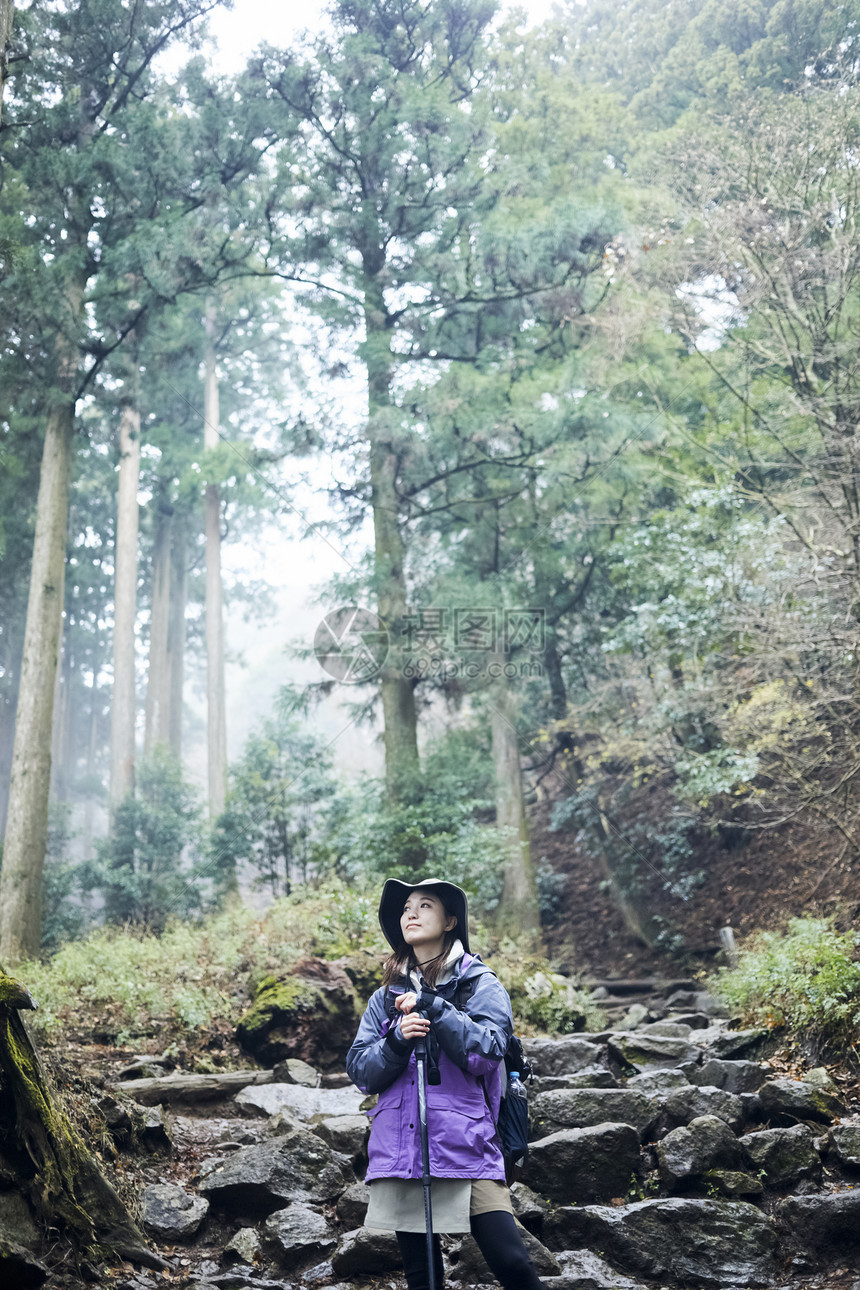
(190, 983)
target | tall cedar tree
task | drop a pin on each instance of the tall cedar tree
(84, 97)
(390, 174)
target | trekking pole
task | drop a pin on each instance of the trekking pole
(421, 1063)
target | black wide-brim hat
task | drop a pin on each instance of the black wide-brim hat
(393, 899)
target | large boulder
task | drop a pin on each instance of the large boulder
(576, 1165)
(582, 1270)
(529, 1208)
(737, 1043)
(298, 1167)
(666, 1029)
(347, 1134)
(585, 1107)
(366, 1253)
(19, 1267)
(468, 1267)
(733, 1183)
(705, 1143)
(659, 1082)
(172, 1214)
(783, 1156)
(297, 1234)
(792, 1099)
(843, 1142)
(244, 1246)
(638, 1051)
(590, 1077)
(17, 1223)
(565, 1056)
(733, 1076)
(827, 1223)
(706, 1243)
(352, 1205)
(312, 1014)
(685, 1104)
(295, 1071)
(154, 1129)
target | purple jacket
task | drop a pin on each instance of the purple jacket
(463, 1108)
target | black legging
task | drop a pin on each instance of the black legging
(499, 1242)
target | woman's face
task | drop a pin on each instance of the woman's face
(424, 923)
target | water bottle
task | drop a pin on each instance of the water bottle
(516, 1086)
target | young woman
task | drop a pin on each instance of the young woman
(435, 989)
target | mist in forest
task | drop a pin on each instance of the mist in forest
(419, 435)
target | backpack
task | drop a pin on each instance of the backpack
(512, 1125)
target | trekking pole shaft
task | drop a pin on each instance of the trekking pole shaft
(421, 1063)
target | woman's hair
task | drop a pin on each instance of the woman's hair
(401, 961)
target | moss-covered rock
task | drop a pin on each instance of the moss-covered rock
(788, 1100)
(702, 1243)
(783, 1156)
(364, 970)
(312, 1014)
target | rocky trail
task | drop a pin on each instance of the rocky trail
(668, 1151)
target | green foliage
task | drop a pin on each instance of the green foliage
(643, 850)
(65, 912)
(547, 1001)
(146, 866)
(544, 1002)
(807, 978)
(122, 983)
(272, 821)
(434, 830)
(129, 981)
(351, 922)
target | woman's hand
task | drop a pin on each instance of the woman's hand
(414, 1026)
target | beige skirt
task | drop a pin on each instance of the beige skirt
(397, 1204)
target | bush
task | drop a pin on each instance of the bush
(806, 979)
(122, 982)
(543, 1001)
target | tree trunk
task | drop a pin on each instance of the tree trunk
(191, 1088)
(158, 677)
(26, 828)
(92, 745)
(215, 694)
(176, 632)
(62, 744)
(518, 908)
(125, 611)
(66, 1188)
(398, 697)
(7, 12)
(7, 734)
